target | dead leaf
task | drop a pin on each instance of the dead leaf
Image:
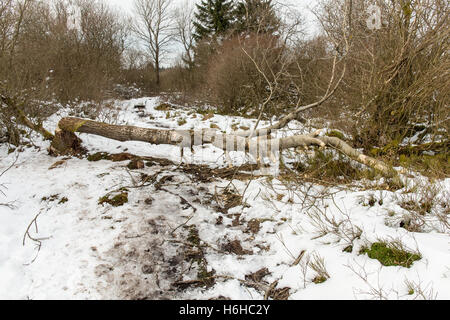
(57, 164)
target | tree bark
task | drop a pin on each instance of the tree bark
(66, 141)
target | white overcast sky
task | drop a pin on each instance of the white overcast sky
(304, 6)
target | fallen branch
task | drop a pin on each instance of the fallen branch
(296, 113)
(66, 141)
(37, 241)
(354, 154)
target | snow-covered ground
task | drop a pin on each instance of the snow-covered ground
(172, 232)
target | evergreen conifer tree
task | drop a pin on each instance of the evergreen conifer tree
(213, 18)
(256, 16)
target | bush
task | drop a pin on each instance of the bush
(49, 59)
(233, 79)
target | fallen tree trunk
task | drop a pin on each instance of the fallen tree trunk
(354, 154)
(66, 141)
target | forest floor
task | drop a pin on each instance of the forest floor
(92, 228)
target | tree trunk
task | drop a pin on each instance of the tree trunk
(158, 80)
(65, 140)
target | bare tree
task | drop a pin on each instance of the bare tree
(20, 11)
(154, 26)
(65, 140)
(288, 70)
(155, 22)
(397, 72)
(42, 59)
(184, 31)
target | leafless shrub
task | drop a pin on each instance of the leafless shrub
(234, 80)
(417, 291)
(397, 74)
(427, 209)
(3, 187)
(318, 265)
(304, 267)
(341, 228)
(315, 263)
(375, 291)
(44, 59)
(9, 131)
(109, 113)
(371, 200)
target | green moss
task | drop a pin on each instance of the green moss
(418, 157)
(435, 166)
(205, 276)
(204, 111)
(403, 159)
(214, 126)
(98, 156)
(196, 255)
(390, 254)
(323, 166)
(182, 122)
(374, 152)
(164, 107)
(391, 147)
(395, 183)
(116, 200)
(74, 128)
(319, 279)
(193, 236)
(336, 134)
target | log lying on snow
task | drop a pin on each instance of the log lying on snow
(66, 141)
(181, 138)
(354, 154)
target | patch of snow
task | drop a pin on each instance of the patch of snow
(90, 251)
